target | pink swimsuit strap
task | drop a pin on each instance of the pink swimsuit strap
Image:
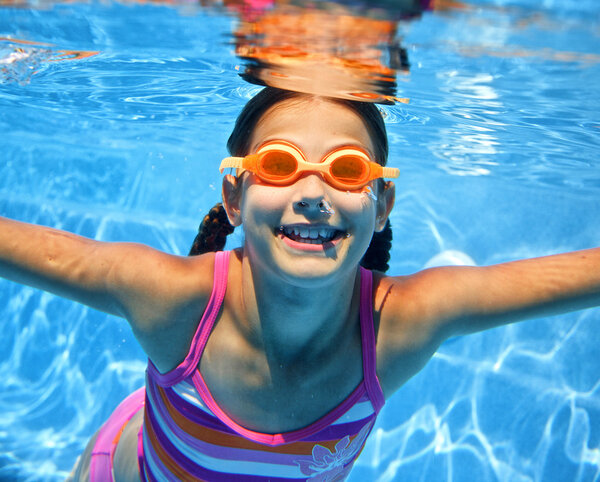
(369, 340)
(191, 361)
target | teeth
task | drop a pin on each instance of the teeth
(308, 233)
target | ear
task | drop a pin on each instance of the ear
(385, 203)
(232, 196)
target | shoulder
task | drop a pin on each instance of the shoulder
(426, 299)
(165, 305)
(149, 281)
(407, 311)
(400, 309)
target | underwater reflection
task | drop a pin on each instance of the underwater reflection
(329, 48)
(338, 49)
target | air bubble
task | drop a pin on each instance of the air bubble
(369, 193)
(326, 208)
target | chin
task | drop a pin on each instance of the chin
(310, 270)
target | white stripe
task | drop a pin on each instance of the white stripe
(189, 393)
(222, 465)
(358, 411)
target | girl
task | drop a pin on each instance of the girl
(271, 362)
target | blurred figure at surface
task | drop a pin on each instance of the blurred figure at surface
(326, 48)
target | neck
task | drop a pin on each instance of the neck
(295, 323)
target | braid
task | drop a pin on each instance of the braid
(212, 232)
(378, 252)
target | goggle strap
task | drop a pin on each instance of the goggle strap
(392, 172)
(231, 163)
(248, 162)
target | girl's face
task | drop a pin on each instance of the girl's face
(308, 231)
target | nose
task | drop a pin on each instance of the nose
(310, 196)
(308, 209)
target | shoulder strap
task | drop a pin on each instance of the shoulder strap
(190, 363)
(367, 330)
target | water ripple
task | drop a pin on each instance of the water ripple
(498, 152)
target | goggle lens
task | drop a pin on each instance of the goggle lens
(278, 165)
(348, 169)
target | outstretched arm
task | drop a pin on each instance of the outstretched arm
(151, 289)
(90, 272)
(56, 261)
(496, 295)
(417, 313)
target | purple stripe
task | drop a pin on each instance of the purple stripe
(152, 456)
(200, 417)
(195, 414)
(227, 453)
(218, 451)
(156, 404)
(256, 455)
(194, 469)
(180, 459)
(277, 438)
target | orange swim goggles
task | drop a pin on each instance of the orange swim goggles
(282, 163)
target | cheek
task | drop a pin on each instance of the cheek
(262, 203)
(355, 204)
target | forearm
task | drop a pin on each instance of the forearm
(532, 288)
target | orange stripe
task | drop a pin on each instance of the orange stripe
(164, 456)
(119, 433)
(214, 437)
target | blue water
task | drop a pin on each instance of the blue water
(499, 153)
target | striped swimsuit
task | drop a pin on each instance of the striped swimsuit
(187, 436)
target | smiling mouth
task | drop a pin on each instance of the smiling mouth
(310, 235)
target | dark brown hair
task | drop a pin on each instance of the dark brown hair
(215, 226)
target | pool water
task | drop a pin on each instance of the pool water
(499, 153)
